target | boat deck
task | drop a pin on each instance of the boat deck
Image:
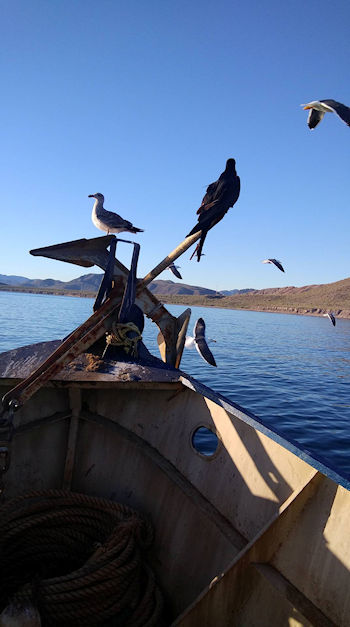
(255, 533)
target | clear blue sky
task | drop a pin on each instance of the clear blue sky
(145, 101)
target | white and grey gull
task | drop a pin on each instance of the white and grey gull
(108, 220)
(318, 108)
(331, 316)
(275, 263)
(200, 342)
(174, 269)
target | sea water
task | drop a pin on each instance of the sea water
(291, 371)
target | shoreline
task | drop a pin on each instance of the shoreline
(169, 300)
(316, 312)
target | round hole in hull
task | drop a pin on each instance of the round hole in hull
(204, 441)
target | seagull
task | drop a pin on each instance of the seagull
(275, 262)
(319, 107)
(174, 269)
(219, 197)
(200, 342)
(331, 317)
(109, 221)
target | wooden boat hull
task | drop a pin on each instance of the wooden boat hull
(255, 534)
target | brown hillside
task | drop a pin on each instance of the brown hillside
(309, 299)
(326, 296)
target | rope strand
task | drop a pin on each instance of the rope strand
(44, 534)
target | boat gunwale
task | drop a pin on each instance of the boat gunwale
(253, 421)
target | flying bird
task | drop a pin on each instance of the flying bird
(174, 269)
(319, 107)
(109, 221)
(275, 262)
(331, 317)
(200, 342)
(219, 197)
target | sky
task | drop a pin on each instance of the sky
(145, 101)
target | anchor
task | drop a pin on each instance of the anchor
(90, 252)
(119, 291)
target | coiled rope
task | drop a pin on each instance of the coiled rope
(119, 337)
(79, 558)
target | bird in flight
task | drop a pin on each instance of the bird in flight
(331, 317)
(219, 197)
(200, 342)
(275, 262)
(319, 107)
(174, 269)
(108, 220)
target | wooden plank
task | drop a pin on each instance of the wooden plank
(19, 363)
(221, 601)
(75, 403)
(222, 523)
(293, 595)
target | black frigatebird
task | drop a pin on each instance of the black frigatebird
(219, 197)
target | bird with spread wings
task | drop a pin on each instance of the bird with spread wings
(219, 197)
(198, 340)
(318, 108)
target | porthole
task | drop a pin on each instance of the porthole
(205, 442)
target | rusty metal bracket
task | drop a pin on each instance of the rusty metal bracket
(106, 283)
(130, 289)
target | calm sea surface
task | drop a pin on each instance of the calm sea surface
(292, 371)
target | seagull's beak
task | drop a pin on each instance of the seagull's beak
(91, 196)
(306, 107)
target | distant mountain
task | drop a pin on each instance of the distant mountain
(91, 282)
(87, 283)
(310, 299)
(170, 287)
(43, 283)
(12, 279)
(231, 292)
(314, 299)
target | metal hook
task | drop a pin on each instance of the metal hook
(106, 283)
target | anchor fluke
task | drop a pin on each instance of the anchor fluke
(81, 252)
(171, 339)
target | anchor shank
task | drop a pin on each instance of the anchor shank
(163, 265)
